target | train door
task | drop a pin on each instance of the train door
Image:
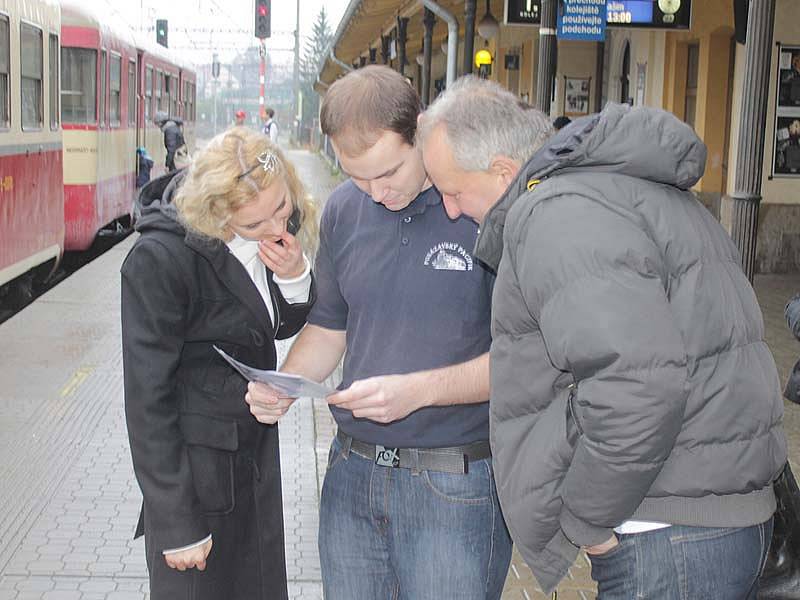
(141, 130)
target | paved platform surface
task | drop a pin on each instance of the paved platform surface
(66, 483)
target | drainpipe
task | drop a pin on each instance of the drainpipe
(429, 22)
(469, 35)
(402, 38)
(347, 68)
(547, 56)
(349, 13)
(452, 37)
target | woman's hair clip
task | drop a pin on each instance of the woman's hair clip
(268, 161)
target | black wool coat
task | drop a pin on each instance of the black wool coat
(204, 464)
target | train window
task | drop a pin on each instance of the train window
(131, 92)
(167, 89)
(31, 48)
(173, 95)
(148, 93)
(115, 85)
(159, 90)
(78, 85)
(103, 89)
(52, 49)
(189, 99)
(5, 69)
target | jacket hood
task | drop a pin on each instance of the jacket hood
(645, 143)
(155, 206)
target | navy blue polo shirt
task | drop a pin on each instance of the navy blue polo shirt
(405, 288)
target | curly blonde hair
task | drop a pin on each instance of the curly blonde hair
(214, 189)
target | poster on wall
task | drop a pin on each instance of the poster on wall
(786, 154)
(576, 96)
(789, 76)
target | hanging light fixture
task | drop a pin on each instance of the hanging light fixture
(420, 59)
(444, 47)
(488, 27)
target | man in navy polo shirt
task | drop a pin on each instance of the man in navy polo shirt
(409, 508)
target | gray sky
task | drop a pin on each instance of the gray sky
(217, 19)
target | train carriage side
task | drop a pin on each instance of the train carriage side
(166, 85)
(99, 66)
(31, 193)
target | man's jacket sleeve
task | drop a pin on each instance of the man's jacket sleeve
(153, 327)
(596, 284)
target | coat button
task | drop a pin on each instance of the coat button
(258, 339)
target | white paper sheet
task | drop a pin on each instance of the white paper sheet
(292, 386)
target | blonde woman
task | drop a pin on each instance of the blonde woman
(208, 471)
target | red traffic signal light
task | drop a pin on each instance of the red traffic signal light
(262, 25)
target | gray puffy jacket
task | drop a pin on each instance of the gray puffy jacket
(630, 377)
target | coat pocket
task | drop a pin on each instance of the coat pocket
(211, 445)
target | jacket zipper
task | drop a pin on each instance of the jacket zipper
(573, 388)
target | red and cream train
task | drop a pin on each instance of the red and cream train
(78, 94)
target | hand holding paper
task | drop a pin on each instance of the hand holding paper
(291, 386)
(266, 404)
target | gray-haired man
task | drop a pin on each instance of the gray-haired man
(635, 408)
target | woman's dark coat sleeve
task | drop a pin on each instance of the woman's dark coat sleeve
(154, 305)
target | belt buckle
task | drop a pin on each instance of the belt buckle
(387, 457)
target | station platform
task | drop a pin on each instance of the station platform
(67, 489)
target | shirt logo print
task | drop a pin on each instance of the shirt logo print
(448, 256)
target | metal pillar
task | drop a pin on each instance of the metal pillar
(386, 41)
(746, 196)
(469, 34)
(262, 79)
(428, 21)
(402, 37)
(599, 66)
(296, 66)
(547, 56)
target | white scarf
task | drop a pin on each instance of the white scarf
(246, 252)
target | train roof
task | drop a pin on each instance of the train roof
(110, 24)
(77, 14)
(44, 13)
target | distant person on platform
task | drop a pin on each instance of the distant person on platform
(270, 127)
(173, 137)
(240, 117)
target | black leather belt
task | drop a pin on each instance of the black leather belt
(455, 459)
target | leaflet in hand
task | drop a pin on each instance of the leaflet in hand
(292, 386)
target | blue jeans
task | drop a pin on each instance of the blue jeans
(387, 533)
(684, 563)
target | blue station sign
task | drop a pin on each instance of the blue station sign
(583, 20)
(645, 14)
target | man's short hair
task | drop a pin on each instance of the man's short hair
(483, 120)
(358, 108)
(270, 112)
